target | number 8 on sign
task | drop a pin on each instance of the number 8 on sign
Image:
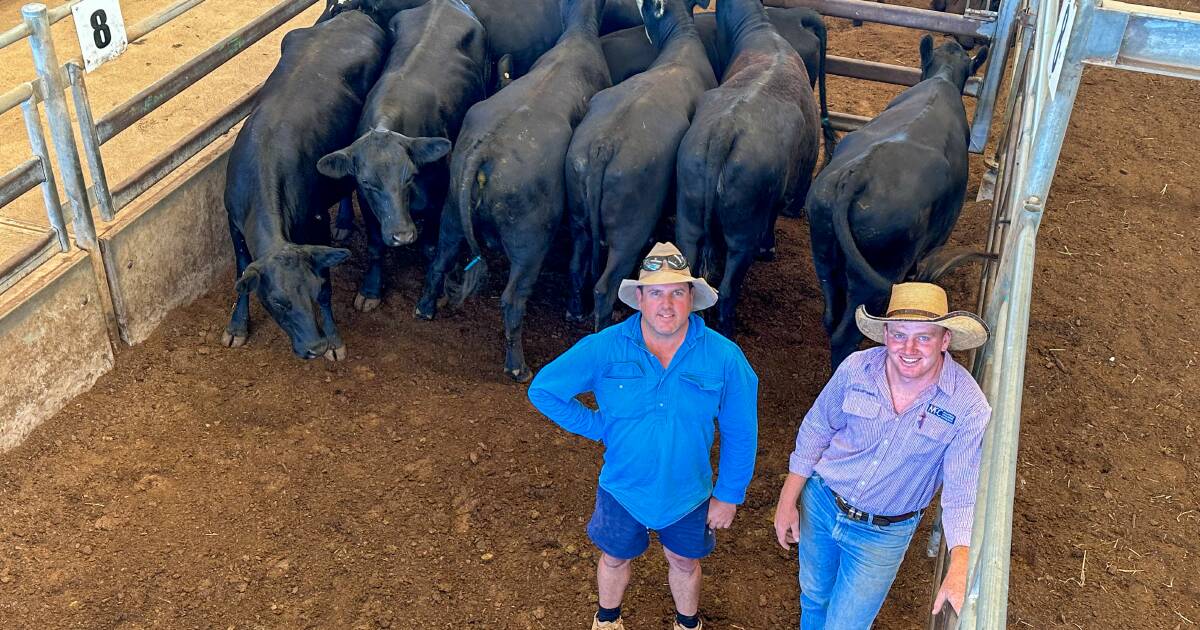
(101, 31)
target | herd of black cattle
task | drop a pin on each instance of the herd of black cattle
(413, 103)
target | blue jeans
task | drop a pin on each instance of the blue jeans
(846, 566)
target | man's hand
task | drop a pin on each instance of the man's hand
(720, 513)
(787, 523)
(954, 587)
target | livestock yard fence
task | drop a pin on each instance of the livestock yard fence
(49, 355)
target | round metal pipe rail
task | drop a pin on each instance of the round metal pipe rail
(148, 25)
(885, 72)
(21, 31)
(183, 150)
(20, 180)
(924, 19)
(16, 96)
(146, 101)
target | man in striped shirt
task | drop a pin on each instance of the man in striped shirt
(893, 425)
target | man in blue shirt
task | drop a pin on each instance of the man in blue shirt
(660, 378)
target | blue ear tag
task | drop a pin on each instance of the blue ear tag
(471, 264)
(941, 413)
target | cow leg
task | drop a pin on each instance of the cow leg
(522, 275)
(766, 248)
(371, 291)
(238, 330)
(450, 238)
(337, 348)
(344, 225)
(581, 260)
(737, 263)
(621, 262)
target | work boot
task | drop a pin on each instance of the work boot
(607, 625)
(679, 626)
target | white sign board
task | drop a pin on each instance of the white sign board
(1062, 35)
(101, 31)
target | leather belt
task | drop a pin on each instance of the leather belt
(856, 514)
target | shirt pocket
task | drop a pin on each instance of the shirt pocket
(936, 429)
(620, 394)
(702, 392)
(861, 404)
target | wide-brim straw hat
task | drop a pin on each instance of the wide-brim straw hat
(926, 303)
(665, 264)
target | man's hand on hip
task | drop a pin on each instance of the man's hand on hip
(720, 513)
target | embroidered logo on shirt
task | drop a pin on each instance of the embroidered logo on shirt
(941, 413)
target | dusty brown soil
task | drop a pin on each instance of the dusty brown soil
(414, 487)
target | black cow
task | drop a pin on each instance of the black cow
(892, 193)
(506, 173)
(629, 52)
(436, 71)
(749, 153)
(274, 195)
(521, 29)
(621, 163)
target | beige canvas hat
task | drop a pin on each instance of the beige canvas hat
(924, 302)
(665, 264)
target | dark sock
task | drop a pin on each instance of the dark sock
(608, 614)
(686, 621)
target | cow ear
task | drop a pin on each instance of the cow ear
(336, 165)
(248, 282)
(326, 257)
(426, 150)
(980, 57)
(926, 50)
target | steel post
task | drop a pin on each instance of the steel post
(985, 107)
(91, 142)
(59, 119)
(37, 142)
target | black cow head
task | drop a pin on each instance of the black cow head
(661, 16)
(384, 164)
(949, 61)
(289, 281)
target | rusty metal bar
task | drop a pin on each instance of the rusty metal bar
(148, 25)
(25, 261)
(895, 15)
(146, 101)
(183, 150)
(842, 121)
(20, 180)
(884, 72)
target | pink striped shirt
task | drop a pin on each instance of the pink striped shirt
(889, 463)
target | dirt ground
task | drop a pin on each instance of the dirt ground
(413, 486)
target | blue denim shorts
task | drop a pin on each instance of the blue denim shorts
(617, 533)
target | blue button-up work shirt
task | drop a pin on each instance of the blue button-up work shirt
(657, 424)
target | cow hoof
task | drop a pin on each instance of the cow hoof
(422, 315)
(523, 375)
(341, 234)
(230, 340)
(365, 304)
(766, 255)
(575, 319)
(336, 354)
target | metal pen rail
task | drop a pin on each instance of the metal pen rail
(49, 89)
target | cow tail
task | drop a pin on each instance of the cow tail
(847, 191)
(469, 188)
(720, 145)
(817, 26)
(600, 154)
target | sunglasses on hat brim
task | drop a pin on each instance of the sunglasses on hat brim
(674, 261)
